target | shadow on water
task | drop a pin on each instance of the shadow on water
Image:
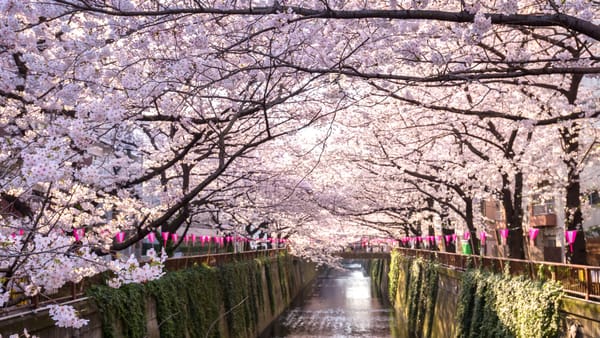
(337, 304)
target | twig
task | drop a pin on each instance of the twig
(223, 315)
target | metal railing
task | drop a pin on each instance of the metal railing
(73, 291)
(577, 280)
(184, 262)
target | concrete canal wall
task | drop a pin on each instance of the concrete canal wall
(239, 299)
(430, 301)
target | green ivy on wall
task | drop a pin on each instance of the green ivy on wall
(240, 285)
(420, 289)
(421, 296)
(394, 275)
(122, 310)
(189, 302)
(269, 278)
(282, 267)
(500, 305)
(376, 269)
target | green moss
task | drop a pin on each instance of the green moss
(122, 310)
(282, 268)
(394, 275)
(189, 302)
(506, 306)
(420, 291)
(269, 278)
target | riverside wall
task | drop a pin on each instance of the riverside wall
(279, 281)
(579, 318)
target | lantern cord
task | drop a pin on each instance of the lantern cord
(223, 315)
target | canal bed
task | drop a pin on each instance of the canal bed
(338, 304)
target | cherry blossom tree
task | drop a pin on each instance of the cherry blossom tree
(111, 132)
(129, 117)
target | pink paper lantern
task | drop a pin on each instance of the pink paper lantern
(175, 237)
(467, 235)
(482, 237)
(22, 232)
(120, 237)
(570, 236)
(151, 237)
(533, 234)
(78, 233)
(504, 235)
(194, 239)
(203, 240)
(448, 239)
(165, 237)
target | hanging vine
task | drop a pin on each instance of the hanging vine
(189, 302)
(498, 305)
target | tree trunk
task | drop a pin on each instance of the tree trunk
(512, 202)
(573, 216)
(574, 220)
(471, 226)
(448, 245)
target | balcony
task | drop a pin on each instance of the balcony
(544, 220)
(542, 214)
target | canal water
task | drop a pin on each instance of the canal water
(338, 304)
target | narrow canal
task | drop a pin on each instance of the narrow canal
(338, 304)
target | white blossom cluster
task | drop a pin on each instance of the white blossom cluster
(25, 334)
(66, 316)
(132, 271)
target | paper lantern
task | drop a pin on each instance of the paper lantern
(482, 237)
(448, 239)
(165, 237)
(504, 235)
(120, 236)
(174, 237)
(454, 236)
(467, 235)
(533, 234)
(570, 236)
(151, 237)
(77, 233)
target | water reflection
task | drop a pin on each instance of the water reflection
(338, 304)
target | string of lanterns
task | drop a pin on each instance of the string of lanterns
(78, 234)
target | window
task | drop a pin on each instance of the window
(543, 208)
(550, 241)
(594, 198)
